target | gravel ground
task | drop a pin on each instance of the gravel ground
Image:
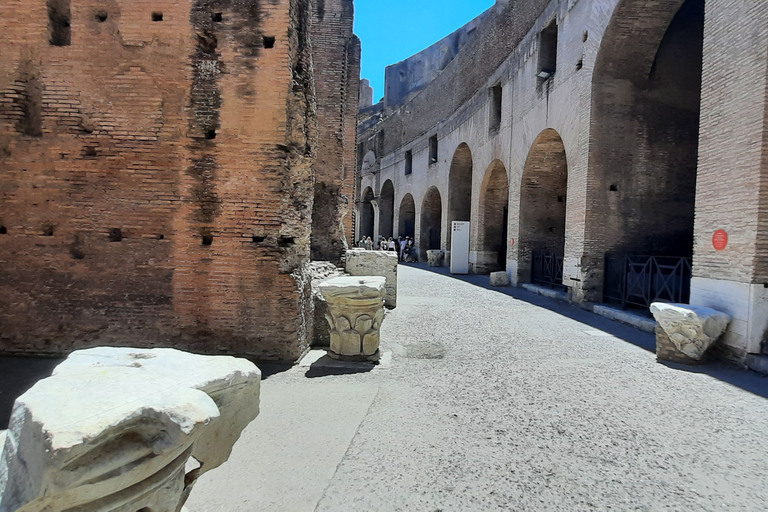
(501, 400)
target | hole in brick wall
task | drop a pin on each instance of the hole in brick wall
(3, 230)
(259, 239)
(89, 151)
(157, 16)
(560, 199)
(552, 230)
(614, 188)
(548, 51)
(76, 249)
(218, 17)
(31, 102)
(115, 235)
(101, 16)
(207, 240)
(210, 134)
(160, 237)
(59, 17)
(286, 241)
(48, 230)
(579, 64)
(269, 42)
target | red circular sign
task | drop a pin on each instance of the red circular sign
(512, 242)
(720, 240)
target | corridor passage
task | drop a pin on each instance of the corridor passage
(500, 400)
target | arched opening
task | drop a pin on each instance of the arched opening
(387, 209)
(366, 214)
(541, 246)
(644, 154)
(407, 217)
(459, 188)
(431, 222)
(494, 216)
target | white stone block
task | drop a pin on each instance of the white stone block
(499, 279)
(692, 329)
(360, 262)
(113, 429)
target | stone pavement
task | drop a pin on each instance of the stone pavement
(500, 400)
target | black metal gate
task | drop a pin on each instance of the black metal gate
(637, 281)
(547, 269)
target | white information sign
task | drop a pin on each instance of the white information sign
(460, 248)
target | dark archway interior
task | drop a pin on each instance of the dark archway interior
(543, 202)
(366, 214)
(494, 212)
(459, 188)
(407, 219)
(387, 209)
(646, 131)
(431, 222)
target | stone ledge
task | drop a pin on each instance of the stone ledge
(625, 317)
(546, 292)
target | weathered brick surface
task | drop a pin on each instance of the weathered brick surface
(166, 199)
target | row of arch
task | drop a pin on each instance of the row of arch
(542, 207)
(641, 178)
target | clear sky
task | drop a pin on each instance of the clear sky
(393, 30)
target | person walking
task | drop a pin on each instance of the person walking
(391, 244)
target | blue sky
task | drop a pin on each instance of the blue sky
(393, 30)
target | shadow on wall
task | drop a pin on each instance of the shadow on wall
(726, 372)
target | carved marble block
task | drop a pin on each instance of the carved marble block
(684, 333)
(121, 430)
(435, 258)
(355, 314)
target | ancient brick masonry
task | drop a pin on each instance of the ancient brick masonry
(157, 172)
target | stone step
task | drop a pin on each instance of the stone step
(758, 363)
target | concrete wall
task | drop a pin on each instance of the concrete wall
(629, 107)
(157, 176)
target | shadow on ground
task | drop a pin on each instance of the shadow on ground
(730, 373)
(17, 375)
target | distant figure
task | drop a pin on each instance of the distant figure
(399, 248)
(369, 244)
(391, 244)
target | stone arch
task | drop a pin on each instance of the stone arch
(493, 220)
(459, 188)
(367, 215)
(644, 138)
(387, 209)
(541, 244)
(431, 222)
(407, 217)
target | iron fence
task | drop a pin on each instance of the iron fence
(547, 269)
(637, 281)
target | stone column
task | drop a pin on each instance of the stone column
(355, 313)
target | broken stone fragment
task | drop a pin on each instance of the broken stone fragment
(119, 429)
(691, 329)
(355, 314)
(360, 262)
(435, 258)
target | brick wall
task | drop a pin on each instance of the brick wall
(337, 85)
(157, 182)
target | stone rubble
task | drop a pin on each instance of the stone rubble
(360, 262)
(435, 258)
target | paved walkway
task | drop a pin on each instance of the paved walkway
(500, 400)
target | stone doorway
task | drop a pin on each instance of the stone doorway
(491, 254)
(431, 223)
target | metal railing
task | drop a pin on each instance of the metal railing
(547, 269)
(637, 281)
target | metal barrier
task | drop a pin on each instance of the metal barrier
(638, 281)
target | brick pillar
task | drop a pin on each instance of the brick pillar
(732, 187)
